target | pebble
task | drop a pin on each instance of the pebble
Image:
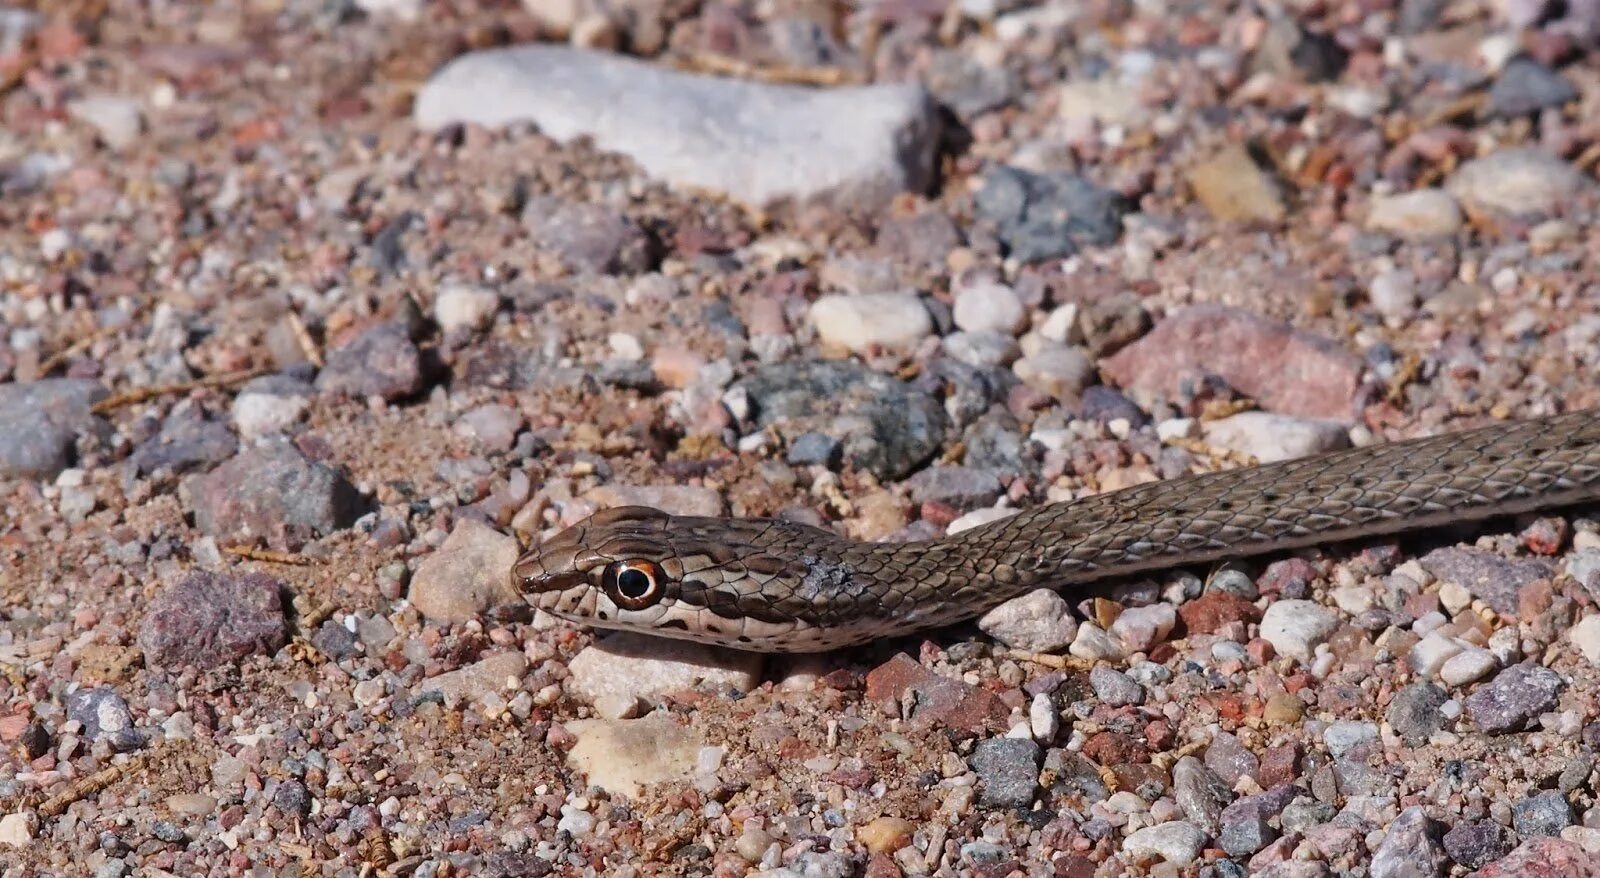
(868, 322)
(212, 620)
(1493, 579)
(104, 715)
(1345, 736)
(1518, 180)
(1297, 628)
(1095, 645)
(186, 441)
(988, 306)
(260, 415)
(1245, 835)
(17, 829)
(1176, 841)
(493, 426)
(1286, 370)
(498, 673)
(958, 486)
(671, 499)
(1415, 712)
(1216, 609)
(981, 349)
(381, 361)
(1428, 656)
(752, 843)
(1061, 372)
(1114, 687)
(1419, 214)
(463, 308)
(1475, 844)
(1048, 216)
(814, 449)
(884, 425)
(589, 238)
(885, 835)
(1525, 86)
(1542, 814)
(1008, 771)
(1234, 188)
(1468, 666)
(40, 422)
(1543, 858)
(1269, 437)
(467, 575)
(116, 119)
(292, 798)
(625, 665)
(936, 701)
(1200, 793)
(623, 756)
(1140, 628)
(1230, 759)
(1513, 699)
(760, 143)
(1394, 294)
(1412, 848)
(1586, 637)
(272, 491)
(1039, 621)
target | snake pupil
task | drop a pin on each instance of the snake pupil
(634, 583)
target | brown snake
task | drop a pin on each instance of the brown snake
(776, 586)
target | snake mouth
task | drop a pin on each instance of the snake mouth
(532, 578)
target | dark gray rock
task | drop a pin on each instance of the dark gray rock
(884, 426)
(209, 620)
(292, 798)
(1525, 86)
(960, 486)
(1114, 687)
(814, 448)
(1542, 814)
(589, 237)
(334, 640)
(1008, 771)
(1514, 698)
(1200, 793)
(41, 423)
(273, 491)
(186, 441)
(1047, 217)
(104, 715)
(1246, 835)
(1415, 712)
(1477, 844)
(1072, 776)
(967, 85)
(1411, 849)
(382, 361)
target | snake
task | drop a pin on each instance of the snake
(772, 585)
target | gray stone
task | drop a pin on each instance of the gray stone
(1475, 844)
(1008, 771)
(1542, 814)
(589, 237)
(1039, 621)
(810, 449)
(40, 423)
(1519, 180)
(104, 715)
(1489, 577)
(1411, 849)
(884, 425)
(1114, 687)
(1245, 836)
(1200, 793)
(1415, 712)
(1525, 86)
(273, 491)
(1175, 841)
(959, 486)
(1514, 698)
(382, 361)
(760, 143)
(1049, 216)
(1230, 759)
(186, 441)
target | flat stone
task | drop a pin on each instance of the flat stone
(885, 426)
(1235, 189)
(1420, 214)
(1525, 86)
(623, 665)
(40, 423)
(1519, 180)
(1008, 771)
(1491, 578)
(1115, 688)
(959, 486)
(1286, 370)
(625, 756)
(1542, 814)
(1513, 699)
(273, 492)
(1058, 370)
(501, 672)
(17, 829)
(1200, 793)
(1297, 628)
(869, 322)
(589, 237)
(1586, 637)
(381, 361)
(186, 441)
(116, 119)
(1215, 609)
(1475, 844)
(1412, 848)
(988, 307)
(1176, 841)
(1140, 628)
(1039, 621)
(468, 575)
(1048, 216)
(850, 147)
(209, 620)
(937, 702)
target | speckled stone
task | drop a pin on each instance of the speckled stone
(209, 620)
(1008, 771)
(1513, 699)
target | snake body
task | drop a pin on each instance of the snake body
(777, 586)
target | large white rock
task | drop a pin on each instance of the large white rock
(853, 147)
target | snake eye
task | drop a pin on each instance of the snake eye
(633, 585)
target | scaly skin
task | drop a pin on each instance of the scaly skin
(775, 586)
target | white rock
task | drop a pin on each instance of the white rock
(1178, 842)
(1093, 644)
(1430, 653)
(1062, 372)
(1518, 180)
(893, 321)
(115, 118)
(1269, 437)
(490, 676)
(1140, 628)
(1454, 597)
(1297, 628)
(627, 665)
(623, 756)
(1062, 325)
(17, 829)
(461, 307)
(1394, 294)
(1468, 666)
(1424, 213)
(988, 306)
(1354, 600)
(853, 147)
(1039, 621)
(626, 346)
(1043, 719)
(257, 415)
(1586, 637)
(978, 518)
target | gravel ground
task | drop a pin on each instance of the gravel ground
(313, 310)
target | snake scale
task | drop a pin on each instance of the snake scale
(777, 586)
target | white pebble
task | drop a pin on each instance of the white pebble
(1297, 628)
(896, 321)
(987, 306)
(465, 307)
(1467, 666)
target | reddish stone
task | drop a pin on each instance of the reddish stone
(1288, 575)
(1159, 735)
(1544, 858)
(1279, 765)
(12, 727)
(1215, 609)
(1113, 748)
(882, 866)
(938, 701)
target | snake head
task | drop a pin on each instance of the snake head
(731, 583)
